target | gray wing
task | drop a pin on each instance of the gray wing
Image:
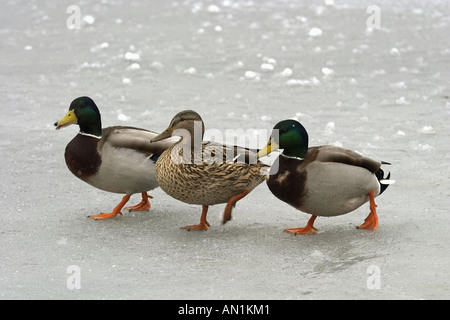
(341, 155)
(136, 139)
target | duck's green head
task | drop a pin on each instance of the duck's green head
(290, 136)
(84, 112)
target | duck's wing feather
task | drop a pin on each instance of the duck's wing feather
(345, 156)
(229, 153)
(136, 139)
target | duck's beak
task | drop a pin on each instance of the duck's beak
(69, 118)
(166, 134)
(270, 146)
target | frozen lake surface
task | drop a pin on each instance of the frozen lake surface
(245, 65)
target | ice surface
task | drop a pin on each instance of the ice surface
(382, 92)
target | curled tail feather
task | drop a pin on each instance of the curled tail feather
(384, 181)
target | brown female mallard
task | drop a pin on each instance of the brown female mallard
(205, 173)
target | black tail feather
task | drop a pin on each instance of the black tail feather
(380, 176)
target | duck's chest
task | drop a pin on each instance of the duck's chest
(82, 157)
(177, 176)
(288, 185)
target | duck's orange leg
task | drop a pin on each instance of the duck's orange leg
(203, 225)
(144, 205)
(308, 229)
(371, 222)
(115, 212)
(227, 212)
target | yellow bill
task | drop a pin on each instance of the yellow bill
(270, 146)
(70, 118)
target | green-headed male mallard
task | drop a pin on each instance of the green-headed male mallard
(115, 159)
(322, 181)
(205, 173)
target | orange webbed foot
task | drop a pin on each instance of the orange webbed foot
(203, 225)
(103, 216)
(304, 230)
(370, 223)
(114, 213)
(200, 226)
(308, 229)
(144, 205)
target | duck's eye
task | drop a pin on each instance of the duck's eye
(175, 122)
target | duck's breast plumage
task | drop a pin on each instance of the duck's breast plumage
(287, 181)
(82, 157)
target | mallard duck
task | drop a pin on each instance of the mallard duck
(205, 173)
(322, 181)
(115, 159)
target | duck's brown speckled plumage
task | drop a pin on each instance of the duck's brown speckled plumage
(206, 183)
(207, 173)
